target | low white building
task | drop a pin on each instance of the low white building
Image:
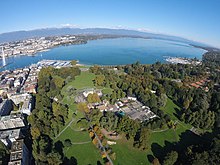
(132, 98)
(91, 91)
(17, 83)
(26, 107)
(18, 98)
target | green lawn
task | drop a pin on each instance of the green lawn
(74, 136)
(127, 154)
(84, 66)
(84, 80)
(160, 137)
(171, 109)
(84, 153)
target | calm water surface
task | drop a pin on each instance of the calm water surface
(112, 52)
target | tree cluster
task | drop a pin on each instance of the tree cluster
(49, 115)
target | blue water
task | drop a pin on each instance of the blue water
(112, 52)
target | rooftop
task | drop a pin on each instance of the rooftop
(11, 122)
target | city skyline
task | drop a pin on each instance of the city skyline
(193, 20)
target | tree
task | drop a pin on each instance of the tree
(54, 158)
(186, 103)
(83, 107)
(4, 154)
(35, 132)
(162, 100)
(59, 82)
(49, 116)
(157, 74)
(93, 98)
(67, 143)
(99, 80)
(155, 162)
(73, 62)
(200, 158)
(141, 140)
(129, 92)
(170, 158)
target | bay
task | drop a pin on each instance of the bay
(112, 52)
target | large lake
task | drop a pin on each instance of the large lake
(112, 52)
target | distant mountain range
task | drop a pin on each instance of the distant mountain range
(21, 35)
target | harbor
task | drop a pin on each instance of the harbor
(181, 60)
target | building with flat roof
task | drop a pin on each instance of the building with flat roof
(136, 110)
(26, 107)
(18, 98)
(11, 122)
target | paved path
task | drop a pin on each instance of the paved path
(82, 142)
(65, 128)
(99, 141)
(161, 130)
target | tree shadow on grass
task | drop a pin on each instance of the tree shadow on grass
(150, 158)
(99, 163)
(187, 139)
(177, 113)
(58, 146)
(70, 161)
(159, 151)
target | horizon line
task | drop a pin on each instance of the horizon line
(143, 30)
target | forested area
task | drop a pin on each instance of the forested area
(212, 58)
(152, 85)
(49, 115)
(199, 108)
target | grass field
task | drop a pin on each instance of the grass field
(160, 137)
(79, 136)
(84, 80)
(171, 109)
(85, 153)
(127, 154)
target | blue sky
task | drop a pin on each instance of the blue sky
(193, 19)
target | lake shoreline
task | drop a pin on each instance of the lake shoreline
(111, 52)
(86, 42)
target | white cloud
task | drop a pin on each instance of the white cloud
(69, 25)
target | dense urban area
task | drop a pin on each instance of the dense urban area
(39, 44)
(60, 112)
